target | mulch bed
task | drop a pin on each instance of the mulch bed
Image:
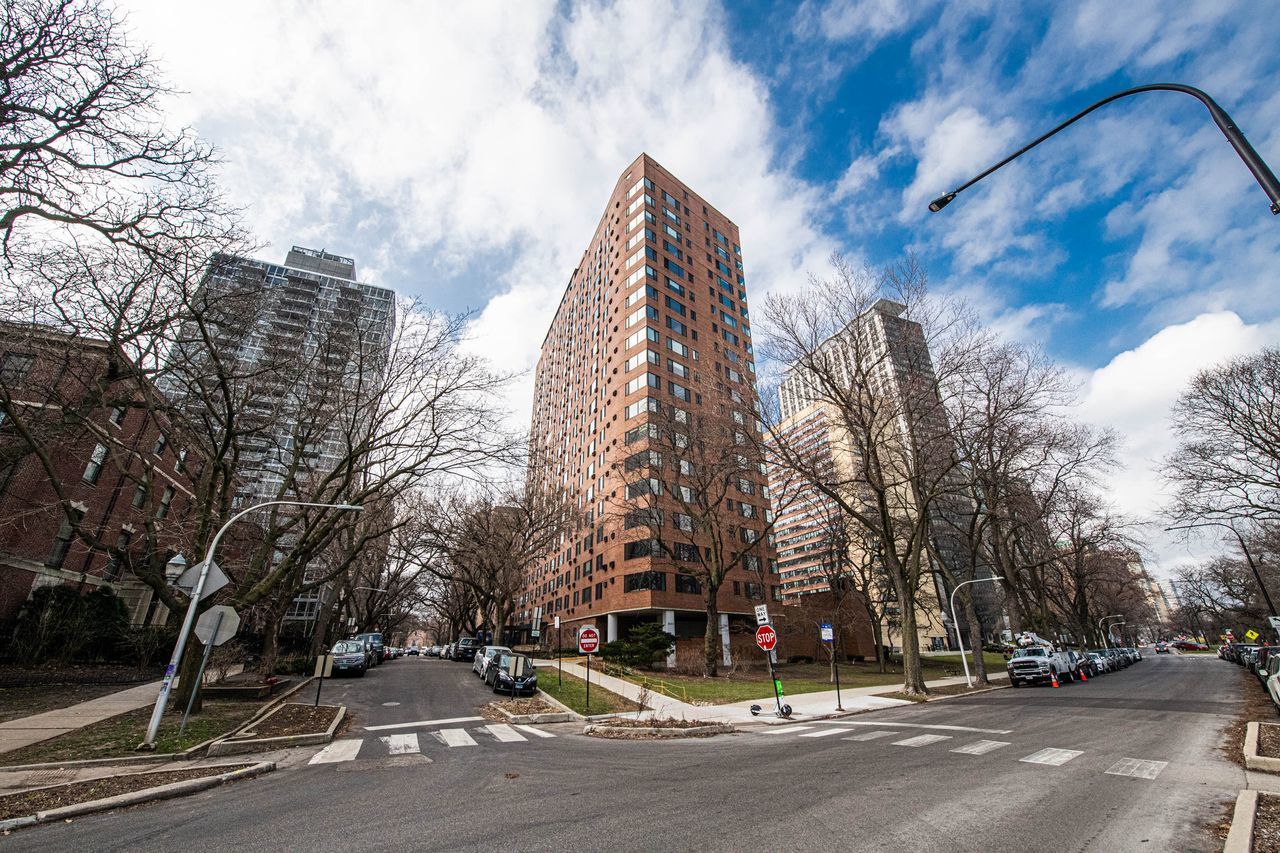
(295, 719)
(527, 706)
(1266, 826)
(18, 676)
(653, 724)
(30, 802)
(1269, 740)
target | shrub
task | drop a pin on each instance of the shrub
(645, 643)
(58, 624)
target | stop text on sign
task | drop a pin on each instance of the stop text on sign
(766, 638)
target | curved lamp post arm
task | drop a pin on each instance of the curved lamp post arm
(956, 623)
(153, 727)
(1256, 165)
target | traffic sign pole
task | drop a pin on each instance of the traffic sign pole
(200, 675)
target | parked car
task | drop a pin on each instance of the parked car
(484, 658)
(465, 649)
(499, 675)
(1100, 663)
(370, 659)
(350, 656)
(1038, 664)
(375, 641)
(1084, 663)
(1271, 678)
(413, 651)
(1190, 646)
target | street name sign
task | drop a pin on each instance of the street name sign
(217, 625)
(588, 640)
(1275, 622)
(762, 615)
(828, 635)
(766, 638)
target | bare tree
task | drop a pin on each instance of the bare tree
(881, 370)
(1227, 463)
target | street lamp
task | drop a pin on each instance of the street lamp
(964, 660)
(1243, 547)
(174, 568)
(1256, 165)
(153, 727)
(1107, 634)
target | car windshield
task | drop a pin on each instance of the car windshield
(1029, 653)
(347, 648)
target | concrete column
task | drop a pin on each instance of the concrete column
(669, 625)
(726, 658)
(610, 627)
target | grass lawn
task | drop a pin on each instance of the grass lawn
(796, 679)
(119, 736)
(573, 692)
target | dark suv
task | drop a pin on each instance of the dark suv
(465, 649)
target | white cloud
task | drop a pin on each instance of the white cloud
(1133, 394)
(463, 132)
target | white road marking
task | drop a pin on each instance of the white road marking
(401, 744)
(1052, 757)
(782, 730)
(872, 735)
(920, 726)
(339, 750)
(981, 747)
(1137, 768)
(422, 723)
(921, 740)
(455, 737)
(505, 733)
(534, 731)
(825, 732)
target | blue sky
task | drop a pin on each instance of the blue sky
(461, 153)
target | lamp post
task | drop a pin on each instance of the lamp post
(964, 660)
(1248, 558)
(1106, 635)
(1256, 165)
(149, 742)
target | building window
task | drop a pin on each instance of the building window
(647, 486)
(139, 496)
(162, 441)
(62, 541)
(685, 552)
(642, 548)
(166, 498)
(648, 517)
(754, 590)
(645, 580)
(96, 460)
(117, 415)
(689, 584)
(118, 559)
(14, 367)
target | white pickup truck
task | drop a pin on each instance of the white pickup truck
(1036, 661)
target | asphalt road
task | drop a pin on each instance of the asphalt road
(807, 786)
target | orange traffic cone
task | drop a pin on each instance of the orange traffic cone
(1054, 676)
(1084, 676)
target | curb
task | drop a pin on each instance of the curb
(653, 731)
(227, 746)
(1240, 837)
(945, 697)
(160, 792)
(1252, 760)
(561, 717)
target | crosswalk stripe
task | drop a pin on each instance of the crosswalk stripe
(825, 732)
(981, 747)
(940, 728)
(420, 723)
(783, 730)
(1137, 768)
(455, 737)
(339, 750)
(1052, 757)
(534, 731)
(871, 735)
(401, 744)
(504, 733)
(921, 740)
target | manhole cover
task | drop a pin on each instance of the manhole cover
(390, 704)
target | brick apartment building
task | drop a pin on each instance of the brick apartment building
(653, 324)
(117, 463)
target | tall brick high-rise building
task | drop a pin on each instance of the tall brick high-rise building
(653, 327)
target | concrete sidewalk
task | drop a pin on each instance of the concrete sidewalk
(803, 706)
(25, 731)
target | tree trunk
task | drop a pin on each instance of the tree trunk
(975, 641)
(320, 635)
(711, 638)
(270, 642)
(912, 672)
(187, 675)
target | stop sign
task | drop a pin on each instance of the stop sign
(588, 640)
(766, 638)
